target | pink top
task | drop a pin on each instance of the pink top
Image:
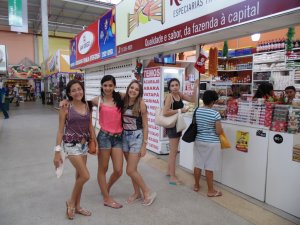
(110, 119)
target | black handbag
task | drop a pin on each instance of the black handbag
(191, 132)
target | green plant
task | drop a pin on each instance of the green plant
(225, 49)
(290, 36)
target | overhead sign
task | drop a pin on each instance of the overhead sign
(15, 13)
(107, 35)
(152, 23)
(85, 47)
(24, 27)
(3, 60)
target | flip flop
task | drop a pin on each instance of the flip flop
(113, 205)
(71, 215)
(175, 182)
(196, 188)
(83, 212)
(150, 200)
(131, 199)
(217, 194)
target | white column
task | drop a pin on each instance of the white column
(44, 15)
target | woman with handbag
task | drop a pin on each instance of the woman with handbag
(74, 132)
(135, 136)
(173, 103)
(207, 148)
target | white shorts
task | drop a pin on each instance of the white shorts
(207, 155)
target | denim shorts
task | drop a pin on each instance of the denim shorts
(109, 141)
(172, 133)
(132, 141)
(75, 149)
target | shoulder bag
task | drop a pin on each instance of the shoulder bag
(180, 124)
(191, 132)
(92, 145)
(165, 121)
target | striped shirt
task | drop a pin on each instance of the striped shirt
(206, 125)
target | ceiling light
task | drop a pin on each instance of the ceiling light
(255, 37)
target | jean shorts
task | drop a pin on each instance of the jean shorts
(172, 133)
(109, 141)
(132, 141)
(75, 148)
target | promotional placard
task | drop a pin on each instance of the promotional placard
(107, 35)
(242, 141)
(152, 98)
(3, 60)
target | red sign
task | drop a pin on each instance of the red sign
(87, 47)
(246, 11)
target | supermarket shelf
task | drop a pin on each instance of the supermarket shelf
(260, 53)
(241, 83)
(234, 70)
(236, 57)
(269, 61)
(279, 70)
(293, 59)
(260, 80)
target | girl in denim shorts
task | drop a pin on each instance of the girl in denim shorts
(135, 135)
(110, 105)
(75, 130)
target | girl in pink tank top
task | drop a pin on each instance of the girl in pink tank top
(109, 137)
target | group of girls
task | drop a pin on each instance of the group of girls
(124, 131)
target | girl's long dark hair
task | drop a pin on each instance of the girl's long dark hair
(116, 95)
(263, 90)
(137, 103)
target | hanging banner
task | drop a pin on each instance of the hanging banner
(87, 47)
(15, 13)
(144, 24)
(107, 35)
(24, 27)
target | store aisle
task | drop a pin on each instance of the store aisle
(31, 194)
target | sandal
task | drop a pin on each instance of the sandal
(70, 213)
(83, 212)
(196, 188)
(216, 194)
(150, 199)
(133, 198)
(113, 205)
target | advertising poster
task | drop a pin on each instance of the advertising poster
(107, 35)
(242, 141)
(152, 98)
(73, 53)
(296, 153)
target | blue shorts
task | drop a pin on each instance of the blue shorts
(109, 141)
(75, 148)
(132, 141)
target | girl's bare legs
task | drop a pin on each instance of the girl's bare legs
(133, 160)
(117, 159)
(137, 193)
(103, 160)
(83, 176)
(174, 142)
(77, 202)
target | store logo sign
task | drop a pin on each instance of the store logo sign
(85, 42)
(177, 2)
(260, 133)
(278, 138)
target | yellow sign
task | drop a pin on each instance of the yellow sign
(242, 141)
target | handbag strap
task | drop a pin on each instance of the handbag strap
(194, 116)
(97, 112)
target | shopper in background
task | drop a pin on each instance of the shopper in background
(16, 95)
(266, 91)
(109, 137)
(2, 102)
(75, 130)
(32, 97)
(173, 103)
(27, 89)
(135, 136)
(207, 148)
(290, 93)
